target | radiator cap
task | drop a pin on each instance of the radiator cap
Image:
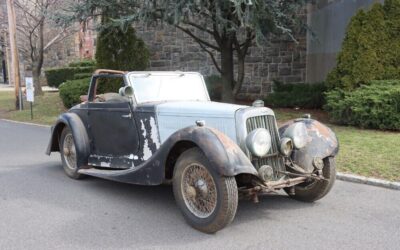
(200, 123)
(258, 103)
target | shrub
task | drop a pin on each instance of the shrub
(70, 91)
(371, 48)
(296, 95)
(376, 105)
(214, 87)
(82, 75)
(121, 50)
(56, 76)
(83, 63)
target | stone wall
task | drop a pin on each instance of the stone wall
(279, 60)
(62, 53)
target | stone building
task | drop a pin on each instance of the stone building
(308, 60)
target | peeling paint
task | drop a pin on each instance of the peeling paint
(146, 151)
(154, 132)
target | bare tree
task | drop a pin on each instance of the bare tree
(38, 32)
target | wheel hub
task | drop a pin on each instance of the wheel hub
(69, 151)
(199, 190)
(201, 187)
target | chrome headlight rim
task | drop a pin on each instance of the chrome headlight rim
(259, 142)
(286, 146)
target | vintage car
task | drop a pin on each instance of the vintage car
(150, 128)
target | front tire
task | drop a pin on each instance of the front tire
(69, 154)
(315, 190)
(207, 200)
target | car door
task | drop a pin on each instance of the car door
(112, 128)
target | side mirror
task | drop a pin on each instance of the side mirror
(126, 91)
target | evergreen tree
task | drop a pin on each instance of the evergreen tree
(121, 50)
(371, 48)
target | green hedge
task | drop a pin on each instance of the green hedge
(82, 75)
(83, 63)
(56, 76)
(376, 105)
(304, 95)
(214, 87)
(70, 91)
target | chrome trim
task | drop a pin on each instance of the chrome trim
(252, 118)
(241, 117)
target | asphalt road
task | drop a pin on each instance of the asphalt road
(41, 208)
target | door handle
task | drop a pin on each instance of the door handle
(127, 116)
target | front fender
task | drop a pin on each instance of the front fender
(318, 141)
(224, 154)
(79, 133)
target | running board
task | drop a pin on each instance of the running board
(101, 173)
(143, 175)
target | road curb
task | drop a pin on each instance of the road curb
(26, 123)
(369, 181)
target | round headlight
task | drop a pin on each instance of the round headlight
(298, 133)
(259, 142)
(286, 146)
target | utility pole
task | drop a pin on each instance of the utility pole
(14, 53)
(8, 60)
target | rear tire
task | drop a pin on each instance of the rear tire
(68, 154)
(317, 189)
(207, 200)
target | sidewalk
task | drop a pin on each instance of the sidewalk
(6, 87)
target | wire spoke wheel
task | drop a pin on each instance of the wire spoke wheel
(199, 190)
(207, 200)
(69, 154)
(69, 151)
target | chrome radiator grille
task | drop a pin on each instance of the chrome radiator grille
(273, 158)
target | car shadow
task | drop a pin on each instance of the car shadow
(146, 210)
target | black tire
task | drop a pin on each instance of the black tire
(71, 172)
(317, 189)
(225, 188)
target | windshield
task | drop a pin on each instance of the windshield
(168, 86)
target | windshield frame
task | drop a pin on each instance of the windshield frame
(164, 73)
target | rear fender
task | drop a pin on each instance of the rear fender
(79, 133)
(317, 141)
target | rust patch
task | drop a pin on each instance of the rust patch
(320, 128)
(226, 141)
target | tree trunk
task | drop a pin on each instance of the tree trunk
(36, 79)
(227, 71)
(37, 61)
(240, 77)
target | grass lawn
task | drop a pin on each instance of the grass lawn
(46, 108)
(364, 152)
